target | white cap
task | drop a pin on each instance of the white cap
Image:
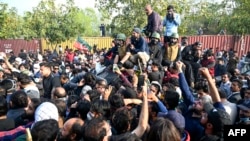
(18, 60)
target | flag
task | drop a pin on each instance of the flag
(82, 44)
(79, 46)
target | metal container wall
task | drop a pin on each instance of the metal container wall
(239, 44)
(16, 45)
(101, 42)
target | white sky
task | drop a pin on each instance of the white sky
(27, 5)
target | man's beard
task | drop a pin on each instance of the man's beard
(154, 42)
(119, 45)
(171, 43)
(133, 38)
(61, 138)
(197, 112)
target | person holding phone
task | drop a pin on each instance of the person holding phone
(171, 22)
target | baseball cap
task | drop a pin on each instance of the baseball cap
(157, 83)
(218, 118)
(245, 105)
(32, 93)
(85, 89)
(137, 30)
(176, 118)
(18, 60)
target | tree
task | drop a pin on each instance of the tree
(28, 24)
(91, 22)
(237, 19)
(127, 14)
(59, 23)
(10, 22)
(211, 16)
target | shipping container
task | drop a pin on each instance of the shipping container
(241, 44)
(16, 45)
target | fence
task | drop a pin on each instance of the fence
(238, 43)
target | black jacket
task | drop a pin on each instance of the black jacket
(188, 54)
(155, 53)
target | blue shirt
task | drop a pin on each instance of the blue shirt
(172, 26)
(140, 45)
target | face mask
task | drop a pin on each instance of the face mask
(172, 42)
(154, 42)
(90, 116)
(244, 120)
(119, 43)
(67, 70)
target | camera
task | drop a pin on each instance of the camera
(145, 31)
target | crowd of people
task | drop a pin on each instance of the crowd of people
(137, 90)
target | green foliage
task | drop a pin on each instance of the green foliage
(55, 23)
(205, 14)
(10, 26)
(91, 23)
(237, 21)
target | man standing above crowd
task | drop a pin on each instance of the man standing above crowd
(154, 21)
(172, 21)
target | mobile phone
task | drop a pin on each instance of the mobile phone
(141, 80)
(115, 67)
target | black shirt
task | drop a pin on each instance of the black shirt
(154, 23)
(49, 83)
(22, 55)
(7, 124)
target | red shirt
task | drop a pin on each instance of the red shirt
(70, 56)
(168, 75)
(207, 62)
